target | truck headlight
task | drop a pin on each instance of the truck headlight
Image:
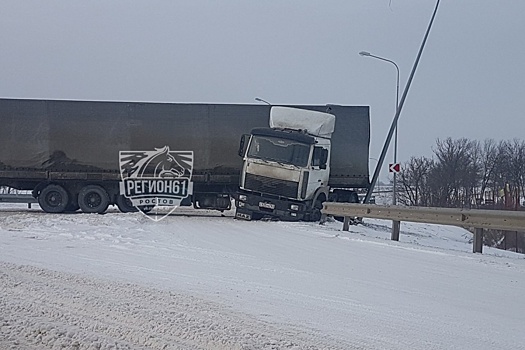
(242, 197)
(294, 207)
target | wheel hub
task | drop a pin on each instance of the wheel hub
(54, 199)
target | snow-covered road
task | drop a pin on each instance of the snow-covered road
(207, 281)
(44, 309)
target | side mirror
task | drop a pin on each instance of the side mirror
(242, 144)
(324, 158)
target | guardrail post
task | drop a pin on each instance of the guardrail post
(396, 225)
(478, 240)
(346, 223)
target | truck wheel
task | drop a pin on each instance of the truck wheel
(93, 199)
(124, 205)
(53, 199)
(354, 197)
(315, 213)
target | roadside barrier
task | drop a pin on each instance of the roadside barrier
(476, 218)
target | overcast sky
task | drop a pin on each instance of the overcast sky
(470, 81)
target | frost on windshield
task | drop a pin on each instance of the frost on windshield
(279, 150)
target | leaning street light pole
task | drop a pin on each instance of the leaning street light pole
(368, 54)
(399, 107)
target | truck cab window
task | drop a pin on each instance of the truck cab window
(279, 150)
(317, 156)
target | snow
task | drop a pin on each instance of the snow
(314, 122)
(202, 280)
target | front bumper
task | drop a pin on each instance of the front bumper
(251, 206)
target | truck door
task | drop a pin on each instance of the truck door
(319, 170)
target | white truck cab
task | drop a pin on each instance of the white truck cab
(286, 166)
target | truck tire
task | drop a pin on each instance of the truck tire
(53, 199)
(316, 215)
(315, 212)
(124, 205)
(93, 199)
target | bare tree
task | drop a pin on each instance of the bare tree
(487, 161)
(514, 152)
(414, 179)
(455, 175)
(461, 173)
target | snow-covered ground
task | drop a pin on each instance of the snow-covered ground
(202, 280)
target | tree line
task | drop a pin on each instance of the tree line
(466, 174)
(469, 174)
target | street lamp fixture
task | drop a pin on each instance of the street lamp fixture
(263, 101)
(368, 54)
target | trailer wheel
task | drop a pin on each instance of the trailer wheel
(124, 205)
(53, 199)
(93, 199)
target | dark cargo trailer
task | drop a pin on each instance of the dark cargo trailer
(60, 149)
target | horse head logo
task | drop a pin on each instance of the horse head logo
(160, 163)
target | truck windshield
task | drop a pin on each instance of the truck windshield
(279, 150)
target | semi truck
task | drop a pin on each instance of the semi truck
(291, 167)
(66, 152)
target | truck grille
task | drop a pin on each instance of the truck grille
(271, 186)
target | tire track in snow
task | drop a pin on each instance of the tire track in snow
(43, 309)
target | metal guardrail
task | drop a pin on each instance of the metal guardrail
(18, 198)
(476, 218)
